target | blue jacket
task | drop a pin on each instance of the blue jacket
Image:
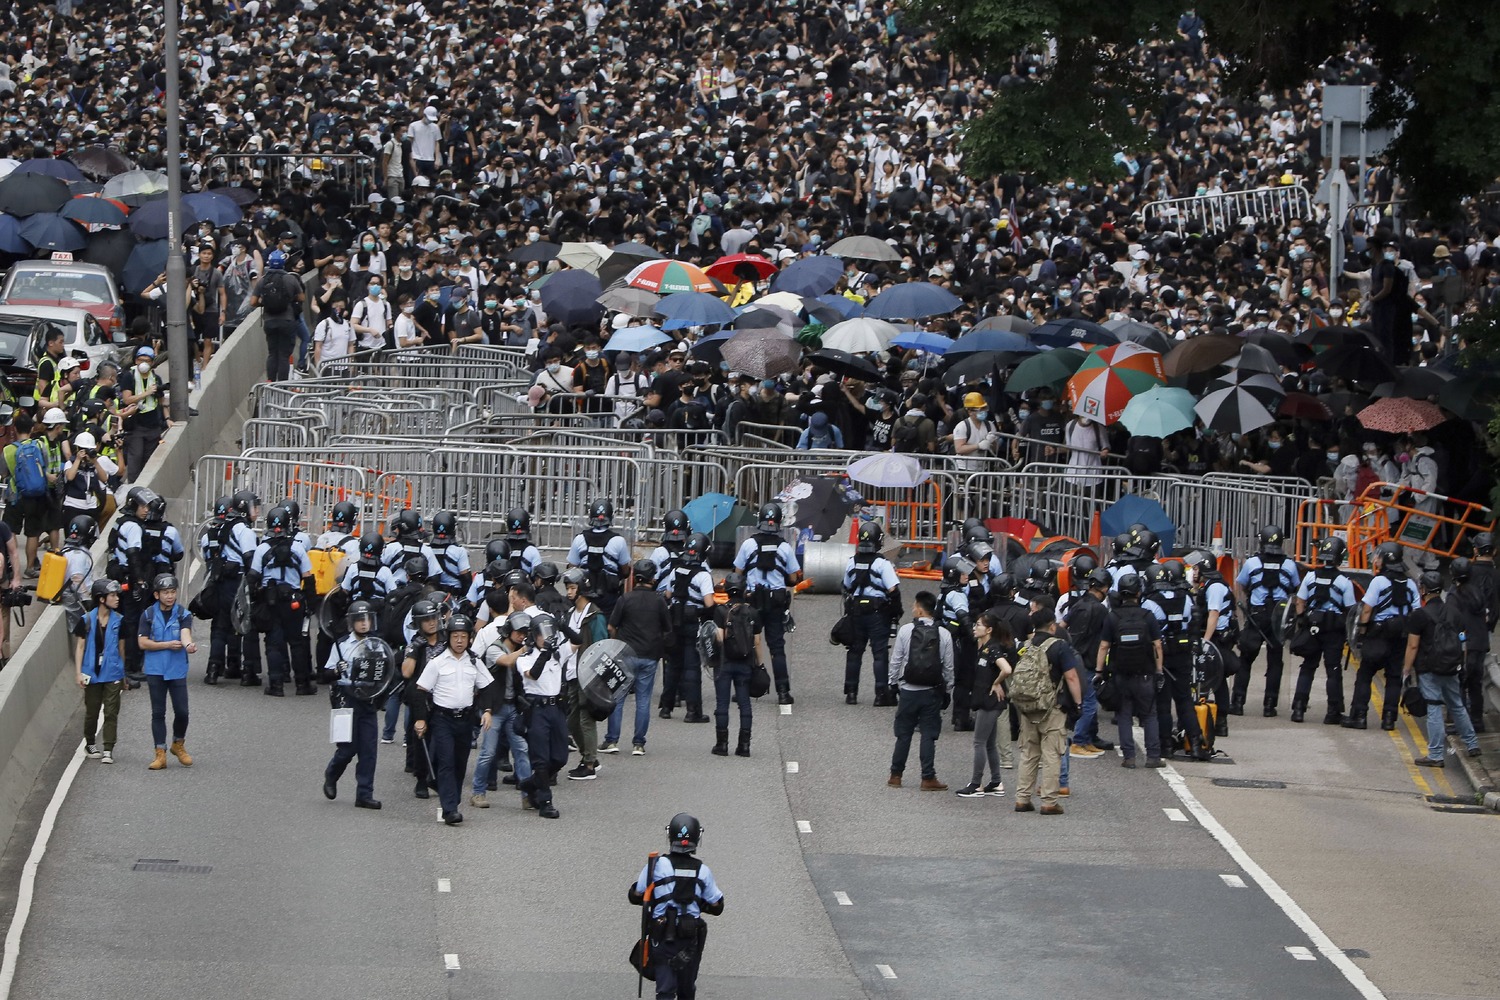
(168, 664)
(111, 667)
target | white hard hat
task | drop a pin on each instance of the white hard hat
(54, 416)
(85, 441)
(67, 364)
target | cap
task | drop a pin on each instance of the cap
(431, 113)
(973, 401)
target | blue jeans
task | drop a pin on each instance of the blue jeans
(1087, 726)
(1441, 690)
(918, 709)
(364, 747)
(160, 687)
(1062, 779)
(392, 715)
(304, 339)
(502, 726)
(645, 681)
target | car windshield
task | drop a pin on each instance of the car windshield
(13, 340)
(80, 287)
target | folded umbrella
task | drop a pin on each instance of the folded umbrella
(913, 300)
(1159, 412)
(809, 276)
(922, 340)
(635, 339)
(845, 364)
(1199, 354)
(50, 167)
(861, 335)
(32, 194)
(1233, 410)
(630, 301)
(684, 309)
(864, 248)
(53, 232)
(1399, 415)
(572, 297)
(888, 469)
(1005, 324)
(90, 211)
(762, 353)
(1050, 369)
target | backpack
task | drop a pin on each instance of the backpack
(31, 469)
(275, 299)
(1130, 653)
(924, 660)
(1443, 650)
(1030, 686)
(739, 634)
(907, 436)
(1144, 455)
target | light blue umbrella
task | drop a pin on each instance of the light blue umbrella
(636, 338)
(923, 340)
(1159, 412)
(715, 513)
(845, 306)
(215, 208)
(809, 276)
(1129, 509)
(684, 309)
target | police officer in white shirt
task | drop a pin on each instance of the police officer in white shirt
(457, 682)
(546, 725)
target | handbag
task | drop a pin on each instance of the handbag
(842, 633)
(760, 681)
(1412, 699)
(1106, 692)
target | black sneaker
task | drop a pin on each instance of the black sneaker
(583, 772)
(995, 788)
(970, 791)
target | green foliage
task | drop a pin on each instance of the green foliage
(1479, 333)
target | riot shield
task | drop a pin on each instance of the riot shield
(605, 676)
(240, 610)
(374, 671)
(332, 612)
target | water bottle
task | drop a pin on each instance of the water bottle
(197, 375)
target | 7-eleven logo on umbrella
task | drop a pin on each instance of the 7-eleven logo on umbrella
(1091, 406)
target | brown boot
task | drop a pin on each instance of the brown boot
(894, 781)
(159, 761)
(180, 752)
(933, 785)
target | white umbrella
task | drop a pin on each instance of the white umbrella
(860, 335)
(888, 469)
(786, 300)
(135, 184)
(584, 256)
(7, 165)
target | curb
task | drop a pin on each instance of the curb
(1486, 782)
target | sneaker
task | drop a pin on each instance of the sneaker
(1084, 750)
(583, 772)
(996, 788)
(388, 740)
(33, 572)
(970, 791)
(479, 802)
(609, 746)
(639, 750)
(108, 757)
(572, 746)
(92, 751)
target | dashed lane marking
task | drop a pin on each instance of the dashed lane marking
(1176, 815)
(803, 826)
(886, 972)
(786, 710)
(1233, 881)
(445, 885)
(792, 767)
(450, 962)
(1300, 953)
(842, 898)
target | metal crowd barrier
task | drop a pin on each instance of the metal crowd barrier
(271, 172)
(259, 432)
(1222, 212)
(1049, 496)
(316, 486)
(1237, 505)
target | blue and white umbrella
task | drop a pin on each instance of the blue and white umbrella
(889, 469)
(636, 338)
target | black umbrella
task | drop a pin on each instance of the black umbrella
(1416, 383)
(1470, 396)
(95, 211)
(1131, 331)
(241, 196)
(845, 364)
(1321, 338)
(109, 248)
(32, 194)
(975, 368)
(1283, 348)
(820, 504)
(1355, 363)
(624, 258)
(1233, 410)
(1337, 402)
(101, 161)
(571, 297)
(1072, 333)
(539, 253)
(1008, 324)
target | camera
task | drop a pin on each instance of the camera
(15, 598)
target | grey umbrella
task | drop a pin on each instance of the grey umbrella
(762, 353)
(630, 301)
(864, 248)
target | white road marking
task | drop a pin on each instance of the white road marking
(28, 874)
(1175, 815)
(792, 767)
(1279, 896)
(1233, 881)
(842, 898)
(803, 826)
(1300, 953)
(886, 972)
(786, 710)
(445, 885)
(450, 962)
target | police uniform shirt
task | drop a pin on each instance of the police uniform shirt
(232, 551)
(663, 872)
(955, 605)
(1176, 612)
(1338, 597)
(663, 559)
(1277, 583)
(291, 573)
(394, 556)
(549, 683)
(453, 679)
(171, 545)
(453, 563)
(616, 553)
(530, 557)
(80, 565)
(385, 580)
(882, 579)
(699, 591)
(341, 651)
(127, 540)
(341, 540)
(747, 561)
(1378, 592)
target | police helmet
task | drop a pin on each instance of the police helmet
(1123, 543)
(1389, 554)
(1331, 551)
(1430, 582)
(1270, 539)
(573, 576)
(345, 514)
(544, 634)
(1484, 543)
(697, 547)
(279, 521)
(518, 524)
(586, 586)
(1459, 569)
(515, 578)
(975, 531)
(601, 513)
(1039, 579)
(360, 611)
(978, 551)
(422, 611)
(444, 526)
(956, 570)
(768, 518)
(293, 508)
(83, 530)
(1005, 585)
(645, 571)
(546, 573)
(1082, 565)
(497, 549)
(1176, 575)
(250, 498)
(684, 834)
(100, 589)
(1156, 576)
(224, 507)
(675, 529)
(156, 507)
(495, 570)
(408, 522)
(1130, 585)
(243, 506)
(1100, 578)
(461, 623)
(133, 497)
(371, 546)
(164, 581)
(871, 537)
(1148, 542)
(416, 568)
(734, 584)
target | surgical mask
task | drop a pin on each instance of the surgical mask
(1333, 456)
(368, 245)
(1022, 414)
(982, 416)
(533, 237)
(981, 247)
(1296, 252)
(591, 355)
(1273, 445)
(1390, 255)
(553, 366)
(531, 271)
(491, 303)
(1047, 404)
(374, 291)
(408, 310)
(1295, 231)
(434, 296)
(404, 268)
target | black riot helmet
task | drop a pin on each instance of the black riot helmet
(1130, 585)
(1148, 542)
(601, 513)
(423, 611)
(576, 577)
(416, 569)
(1484, 543)
(444, 526)
(697, 547)
(498, 548)
(279, 522)
(1270, 539)
(247, 500)
(1101, 579)
(100, 589)
(163, 581)
(295, 508)
(82, 530)
(344, 516)
(645, 572)
(734, 585)
(224, 507)
(768, 518)
(1005, 585)
(675, 530)
(408, 522)
(1156, 577)
(518, 524)
(977, 551)
(1460, 569)
(871, 537)
(495, 570)
(1082, 565)
(461, 623)
(360, 611)
(1390, 556)
(371, 546)
(956, 570)
(546, 573)
(156, 507)
(1332, 550)
(684, 834)
(975, 531)
(1430, 582)
(1124, 545)
(1176, 575)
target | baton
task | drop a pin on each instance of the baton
(426, 752)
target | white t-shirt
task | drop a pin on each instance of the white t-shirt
(336, 336)
(376, 316)
(974, 461)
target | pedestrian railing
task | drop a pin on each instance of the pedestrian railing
(273, 172)
(1219, 213)
(1431, 524)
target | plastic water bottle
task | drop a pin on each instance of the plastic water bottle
(197, 375)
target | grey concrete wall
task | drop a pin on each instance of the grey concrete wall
(37, 692)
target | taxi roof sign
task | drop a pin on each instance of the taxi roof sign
(60, 257)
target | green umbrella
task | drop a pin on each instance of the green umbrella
(1050, 368)
(1159, 412)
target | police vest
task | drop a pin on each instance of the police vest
(595, 543)
(448, 562)
(1320, 596)
(954, 620)
(280, 554)
(686, 879)
(1130, 653)
(864, 575)
(1178, 610)
(366, 585)
(1281, 586)
(220, 544)
(768, 554)
(1398, 596)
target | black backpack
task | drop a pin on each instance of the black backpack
(739, 634)
(906, 437)
(1130, 653)
(275, 297)
(924, 659)
(1443, 650)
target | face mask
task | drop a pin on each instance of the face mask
(144, 368)
(1390, 256)
(533, 237)
(532, 271)
(464, 262)
(368, 245)
(374, 291)
(1295, 231)
(982, 416)
(1403, 458)
(491, 303)
(404, 268)
(408, 310)
(1022, 414)
(1047, 404)
(1274, 445)
(981, 247)
(434, 296)
(1333, 456)
(553, 366)
(591, 355)
(1065, 295)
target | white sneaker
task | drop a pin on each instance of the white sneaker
(91, 751)
(387, 742)
(109, 757)
(637, 751)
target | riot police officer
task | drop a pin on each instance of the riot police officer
(1323, 604)
(281, 589)
(690, 596)
(1131, 648)
(674, 537)
(1475, 597)
(1215, 623)
(522, 554)
(676, 890)
(1169, 601)
(409, 541)
(364, 666)
(226, 546)
(953, 615)
(603, 553)
(1266, 581)
(454, 573)
(427, 643)
(770, 566)
(142, 546)
(872, 600)
(1381, 635)
(342, 546)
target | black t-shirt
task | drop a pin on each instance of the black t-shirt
(640, 621)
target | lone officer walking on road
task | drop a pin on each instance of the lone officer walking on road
(676, 891)
(456, 680)
(361, 686)
(872, 600)
(770, 566)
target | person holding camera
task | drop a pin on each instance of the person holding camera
(208, 303)
(142, 390)
(85, 478)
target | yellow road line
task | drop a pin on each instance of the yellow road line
(1408, 757)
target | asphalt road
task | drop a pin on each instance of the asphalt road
(882, 893)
